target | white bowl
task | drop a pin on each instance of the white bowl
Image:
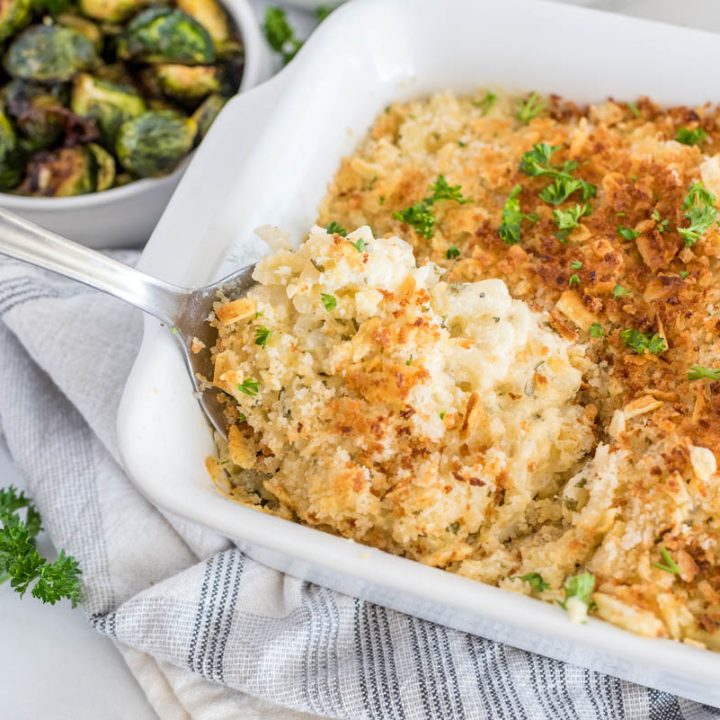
(269, 158)
(125, 216)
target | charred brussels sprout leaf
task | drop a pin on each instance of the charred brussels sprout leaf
(49, 53)
(154, 143)
(211, 15)
(186, 83)
(163, 35)
(11, 158)
(109, 104)
(38, 112)
(14, 16)
(113, 11)
(105, 167)
(205, 115)
(63, 172)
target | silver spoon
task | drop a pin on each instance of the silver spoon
(184, 310)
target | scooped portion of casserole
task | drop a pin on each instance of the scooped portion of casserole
(587, 477)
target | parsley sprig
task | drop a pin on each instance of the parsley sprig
(420, 215)
(335, 228)
(536, 163)
(280, 34)
(627, 233)
(698, 372)
(486, 103)
(688, 136)
(512, 217)
(581, 587)
(20, 561)
(529, 108)
(249, 387)
(569, 219)
(700, 211)
(668, 564)
(640, 342)
(535, 581)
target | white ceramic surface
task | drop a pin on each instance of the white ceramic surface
(268, 160)
(126, 216)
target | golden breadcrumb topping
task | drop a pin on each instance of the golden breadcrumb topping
(603, 220)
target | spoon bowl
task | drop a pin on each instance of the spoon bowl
(185, 311)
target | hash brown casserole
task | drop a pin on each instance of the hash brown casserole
(563, 446)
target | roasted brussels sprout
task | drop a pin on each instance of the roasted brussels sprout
(205, 115)
(63, 172)
(98, 93)
(85, 27)
(37, 111)
(109, 104)
(164, 35)
(154, 143)
(185, 83)
(211, 15)
(11, 157)
(105, 167)
(14, 16)
(113, 11)
(49, 53)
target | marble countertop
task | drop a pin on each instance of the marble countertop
(54, 666)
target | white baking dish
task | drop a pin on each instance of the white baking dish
(268, 160)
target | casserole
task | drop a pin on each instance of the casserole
(126, 215)
(306, 119)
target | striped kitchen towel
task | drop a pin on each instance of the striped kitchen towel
(208, 632)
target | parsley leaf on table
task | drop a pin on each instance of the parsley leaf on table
(20, 561)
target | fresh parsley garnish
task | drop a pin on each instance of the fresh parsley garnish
(512, 217)
(328, 301)
(442, 190)
(693, 136)
(420, 215)
(262, 335)
(409, 361)
(698, 372)
(662, 225)
(634, 109)
(359, 245)
(452, 252)
(280, 34)
(619, 291)
(627, 233)
(580, 587)
(535, 581)
(536, 163)
(529, 108)
(249, 387)
(486, 103)
(569, 219)
(668, 564)
(335, 228)
(574, 279)
(700, 211)
(639, 342)
(20, 561)
(684, 274)
(596, 331)
(576, 265)
(561, 188)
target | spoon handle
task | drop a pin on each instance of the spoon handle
(23, 240)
